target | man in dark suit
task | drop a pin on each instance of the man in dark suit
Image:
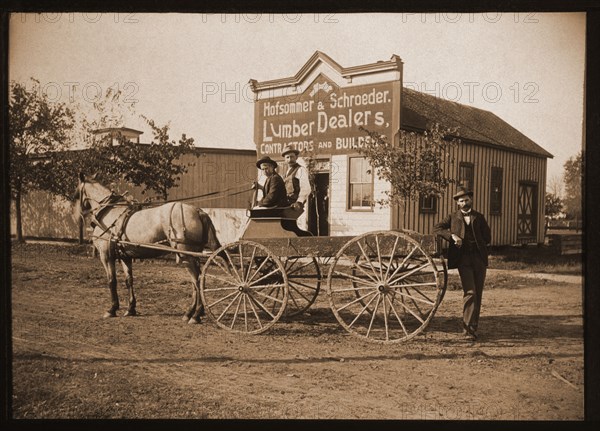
(274, 193)
(468, 234)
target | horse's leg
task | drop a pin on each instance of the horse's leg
(193, 267)
(127, 268)
(111, 274)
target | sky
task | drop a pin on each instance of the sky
(192, 70)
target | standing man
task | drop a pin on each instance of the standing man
(468, 234)
(297, 185)
(295, 177)
(273, 189)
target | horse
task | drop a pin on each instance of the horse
(165, 228)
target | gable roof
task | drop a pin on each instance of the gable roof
(419, 110)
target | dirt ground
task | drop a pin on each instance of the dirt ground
(69, 362)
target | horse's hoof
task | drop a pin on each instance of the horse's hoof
(130, 313)
(109, 314)
(185, 317)
(193, 321)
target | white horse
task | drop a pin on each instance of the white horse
(176, 225)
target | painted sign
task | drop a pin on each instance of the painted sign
(324, 119)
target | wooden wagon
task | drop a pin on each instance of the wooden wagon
(382, 286)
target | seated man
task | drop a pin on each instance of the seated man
(274, 194)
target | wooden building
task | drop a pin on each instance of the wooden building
(319, 111)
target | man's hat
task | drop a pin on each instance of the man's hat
(268, 160)
(462, 191)
(289, 149)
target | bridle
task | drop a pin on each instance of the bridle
(86, 208)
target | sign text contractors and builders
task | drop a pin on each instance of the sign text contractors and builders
(324, 119)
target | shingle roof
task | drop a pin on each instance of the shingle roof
(419, 110)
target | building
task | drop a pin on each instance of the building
(319, 111)
(45, 216)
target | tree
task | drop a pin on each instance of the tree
(416, 167)
(553, 205)
(153, 166)
(573, 177)
(36, 126)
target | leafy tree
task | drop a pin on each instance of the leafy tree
(553, 205)
(154, 166)
(416, 167)
(573, 177)
(36, 126)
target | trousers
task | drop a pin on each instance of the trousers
(472, 271)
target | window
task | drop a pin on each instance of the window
(465, 175)
(360, 184)
(496, 191)
(428, 204)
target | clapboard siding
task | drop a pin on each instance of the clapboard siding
(516, 167)
(208, 171)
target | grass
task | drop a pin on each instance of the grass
(535, 259)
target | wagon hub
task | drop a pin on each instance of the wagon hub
(383, 288)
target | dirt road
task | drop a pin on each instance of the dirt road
(68, 362)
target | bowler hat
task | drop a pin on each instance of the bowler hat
(289, 149)
(267, 160)
(462, 191)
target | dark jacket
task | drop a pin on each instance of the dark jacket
(455, 224)
(274, 194)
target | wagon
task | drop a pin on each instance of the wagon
(382, 286)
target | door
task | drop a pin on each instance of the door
(527, 211)
(318, 206)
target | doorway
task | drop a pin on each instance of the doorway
(318, 206)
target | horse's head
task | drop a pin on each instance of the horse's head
(88, 196)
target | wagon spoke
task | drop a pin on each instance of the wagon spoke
(353, 289)
(237, 308)
(232, 265)
(412, 312)
(222, 299)
(367, 259)
(298, 268)
(269, 297)
(299, 293)
(229, 306)
(411, 272)
(387, 270)
(403, 262)
(234, 286)
(220, 265)
(356, 265)
(241, 262)
(361, 312)
(261, 306)
(373, 315)
(294, 300)
(257, 269)
(385, 321)
(407, 295)
(245, 314)
(308, 286)
(250, 265)
(254, 310)
(379, 257)
(397, 317)
(264, 276)
(355, 278)
(372, 292)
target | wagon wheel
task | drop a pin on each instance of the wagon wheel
(383, 286)
(304, 281)
(244, 287)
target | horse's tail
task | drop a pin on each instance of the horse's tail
(212, 241)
